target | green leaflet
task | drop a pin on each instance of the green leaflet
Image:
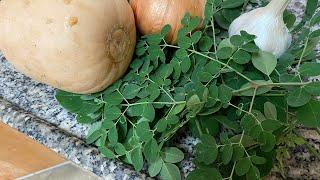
(251, 91)
(310, 69)
(258, 160)
(226, 153)
(75, 104)
(143, 131)
(232, 3)
(131, 91)
(298, 97)
(313, 88)
(243, 166)
(253, 173)
(172, 155)
(151, 150)
(106, 152)
(170, 172)
(226, 122)
(206, 151)
(270, 110)
(309, 114)
(212, 85)
(94, 132)
(137, 158)
(204, 173)
(155, 167)
(264, 62)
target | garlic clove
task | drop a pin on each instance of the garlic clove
(267, 24)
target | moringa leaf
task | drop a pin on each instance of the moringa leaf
(172, 155)
(310, 69)
(242, 166)
(155, 167)
(226, 153)
(206, 151)
(298, 97)
(137, 158)
(232, 3)
(309, 114)
(270, 110)
(226, 122)
(264, 62)
(204, 173)
(170, 172)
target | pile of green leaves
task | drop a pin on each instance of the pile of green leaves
(243, 104)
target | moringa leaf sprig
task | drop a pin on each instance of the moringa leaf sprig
(242, 103)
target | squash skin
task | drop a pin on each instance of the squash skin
(79, 46)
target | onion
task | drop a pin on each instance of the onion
(152, 15)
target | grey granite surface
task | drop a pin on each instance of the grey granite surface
(64, 143)
(36, 98)
(30, 107)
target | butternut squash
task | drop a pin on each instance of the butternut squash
(80, 46)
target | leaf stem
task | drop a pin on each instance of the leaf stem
(171, 133)
(169, 45)
(232, 171)
(168, 94)
(271, 85)
(123, 97)
(161, 103)
(224, 64)
(198, 127)
(272, 95)
(241, 90)
(303, 51)
(252, 100)
(214, 38)
(234, 164)
(247, 112)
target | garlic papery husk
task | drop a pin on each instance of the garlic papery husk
(267, 24)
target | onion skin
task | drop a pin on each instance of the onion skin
(152, 15)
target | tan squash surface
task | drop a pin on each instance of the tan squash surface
(81, 46)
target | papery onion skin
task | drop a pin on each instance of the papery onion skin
(152, 15)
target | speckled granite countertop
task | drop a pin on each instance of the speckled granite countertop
(30, 107)
(64, 143)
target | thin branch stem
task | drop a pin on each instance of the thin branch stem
(214, 38)
(224, 64)
(168, 94)
(303, 52)
(247, 112)
(270, 85)
(161, 103)
(123, 97)
(198, 127)
(232, 171)
(252, 101)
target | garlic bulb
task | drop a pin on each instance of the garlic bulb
(267, 24)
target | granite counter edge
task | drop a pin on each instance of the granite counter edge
(64, 143)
